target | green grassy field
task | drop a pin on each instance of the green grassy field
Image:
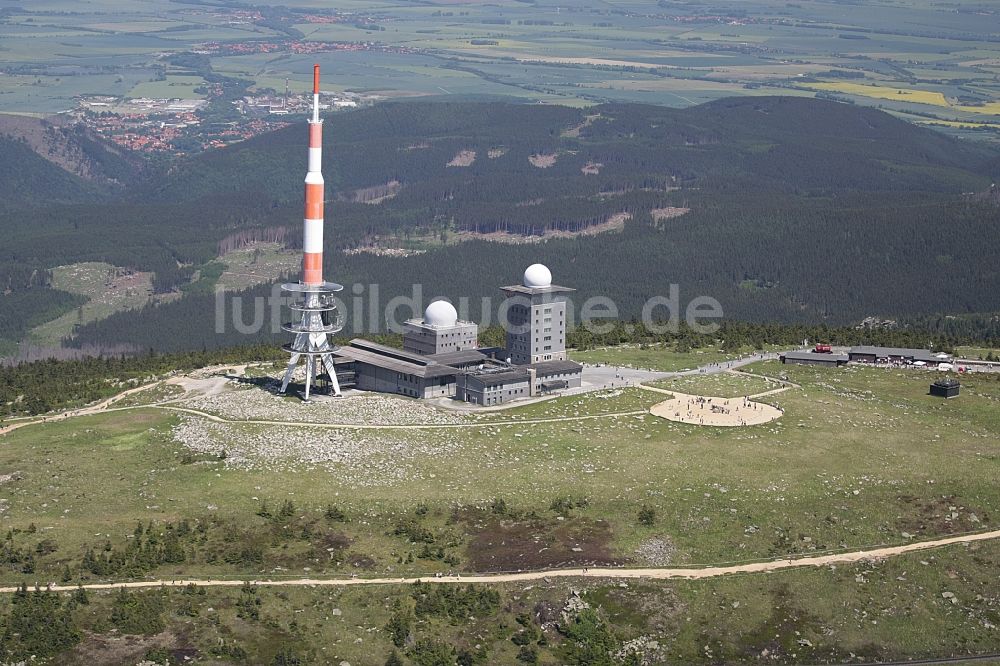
(108, 290)
(174, 86)
(862, 457)
(806, 482)
(609, 401)
(976, 352)
(724, 385)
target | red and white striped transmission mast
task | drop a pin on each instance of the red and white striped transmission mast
(313, 298)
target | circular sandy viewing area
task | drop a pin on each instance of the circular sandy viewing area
(714, 411)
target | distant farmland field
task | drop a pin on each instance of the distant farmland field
(921, 61)
(175, 86)
(884, 92)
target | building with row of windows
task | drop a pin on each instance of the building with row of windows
(536, 318)
(440, 331)
(499, 384)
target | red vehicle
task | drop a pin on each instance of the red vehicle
(822, 349)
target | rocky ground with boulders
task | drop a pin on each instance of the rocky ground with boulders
(355, 408)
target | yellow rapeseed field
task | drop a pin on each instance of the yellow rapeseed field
(898, 94)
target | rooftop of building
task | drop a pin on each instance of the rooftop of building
(545, 368)
(410, 363)
(532, 291)
(813, 356)
(423, 323)
(396, 360)
(903, 352)
(537, 279)
(462, 357)
(500, 376)
(495, 373)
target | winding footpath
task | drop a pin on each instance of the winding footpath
(659, 573)
(102, 406)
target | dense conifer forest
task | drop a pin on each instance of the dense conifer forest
(41, 386)
(27, 179)
(799, 210)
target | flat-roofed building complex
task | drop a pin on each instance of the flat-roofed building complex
(494, 386)
(385, 369)
(867, 354)
(536, 346)
(440, 357)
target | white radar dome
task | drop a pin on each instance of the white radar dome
(440, 313)
(537, 275)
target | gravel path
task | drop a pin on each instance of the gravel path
(659, 573)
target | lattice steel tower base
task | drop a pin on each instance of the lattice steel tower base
(320, 319)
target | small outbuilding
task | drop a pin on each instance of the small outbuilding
(946, 388)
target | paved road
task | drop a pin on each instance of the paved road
(612, 373)
(661, 573)
(726, 366)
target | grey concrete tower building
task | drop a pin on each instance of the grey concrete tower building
(536, 318)
(440, 331)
